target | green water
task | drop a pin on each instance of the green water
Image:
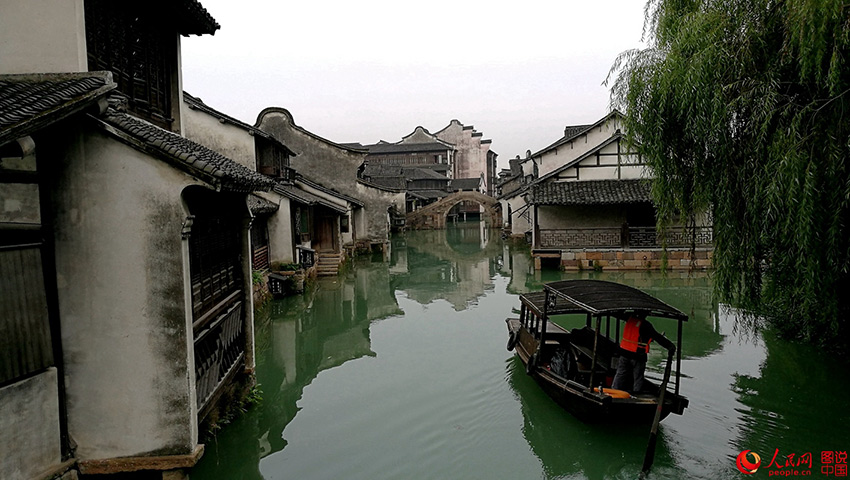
(398, 370)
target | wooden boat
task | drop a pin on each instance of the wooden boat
(576, 367)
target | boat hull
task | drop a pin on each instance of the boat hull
(581, 402)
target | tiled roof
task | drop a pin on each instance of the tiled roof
(318, 186)
(594, 192)
(466, 183)
(31, 102)
(437, 167)
(379, 170)
(307, 198)
(195, 158)
(394, 188)
(573, 131)
(423, 174)
(193, 18)
(398, 183)
(428, 194)
(389, 148)
(261, 206)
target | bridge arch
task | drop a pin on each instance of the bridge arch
(433, 216)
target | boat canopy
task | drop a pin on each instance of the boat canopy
(600, 297)
(536, 300)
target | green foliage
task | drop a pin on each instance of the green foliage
(257, 277)
(236, 405)
(254, 397)
(739, 108)
(285, 267)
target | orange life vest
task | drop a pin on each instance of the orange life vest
(631, 337)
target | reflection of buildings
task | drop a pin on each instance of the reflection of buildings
(300, 337)
(456, 265)
(297, 338)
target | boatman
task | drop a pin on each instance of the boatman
(637, 335)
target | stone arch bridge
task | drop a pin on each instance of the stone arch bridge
(433, 216)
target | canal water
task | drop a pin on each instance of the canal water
(398, 370)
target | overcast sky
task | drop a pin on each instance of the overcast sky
(370, 70)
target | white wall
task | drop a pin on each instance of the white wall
(281, 248)
(570, 151)
(519, 225)
(126, 331)
(591, 216)
(42, 36)
(225, 138)
(611, 162)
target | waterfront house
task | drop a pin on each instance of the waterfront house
(329, 171)
(33, 418)
(475, 184)
(473, 158)
(131, 240)
(418, 149)
(589, 206)
(275, 237)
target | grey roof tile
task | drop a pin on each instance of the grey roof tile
(233, 176)
(423, 174)
(261, 206)
(302, 196)
(466, 183)
(596, 192)
(391, 148)
(31, 102)
(428, 194)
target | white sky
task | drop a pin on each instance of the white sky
(369, 70)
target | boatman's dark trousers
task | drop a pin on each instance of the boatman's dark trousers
(629, 375)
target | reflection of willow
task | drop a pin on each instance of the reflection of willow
(297, 338)
(435, 270)
(566, 447)
(797, 403)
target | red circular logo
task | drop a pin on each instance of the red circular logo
(745, 466)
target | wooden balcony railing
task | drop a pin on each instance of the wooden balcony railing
(631, 237)
(219, 352)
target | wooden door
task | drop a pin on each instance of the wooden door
(326, 234)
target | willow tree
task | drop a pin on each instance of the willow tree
(742, 109)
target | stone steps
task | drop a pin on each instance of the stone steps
(328, 264)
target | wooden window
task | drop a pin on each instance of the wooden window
(214, 251)
(141, 56)
(305, 221)
(273, 160)
(260, 244)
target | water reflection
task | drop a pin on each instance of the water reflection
(456, 265)
(568, 448)
(796, 402)
(398, 370)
